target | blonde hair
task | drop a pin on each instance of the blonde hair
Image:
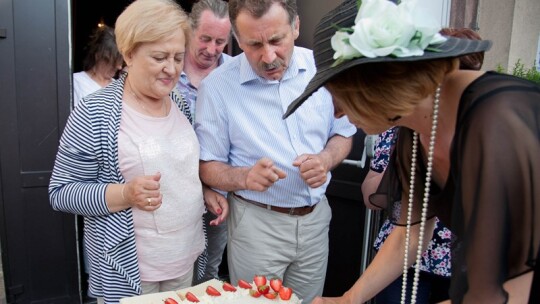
(379, 92)
(146, 21)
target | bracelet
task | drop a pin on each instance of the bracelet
(122, 192)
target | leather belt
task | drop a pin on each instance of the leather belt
(290, 211)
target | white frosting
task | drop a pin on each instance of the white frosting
(154, 298)
(240, 296)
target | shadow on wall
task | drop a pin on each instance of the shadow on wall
(310, 15)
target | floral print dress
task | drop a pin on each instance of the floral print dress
(436, 259)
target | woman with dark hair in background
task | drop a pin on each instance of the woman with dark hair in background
(101, 63)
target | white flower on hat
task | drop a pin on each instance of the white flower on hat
(383, 28)
(344, 50)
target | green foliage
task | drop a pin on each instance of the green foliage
(519, 70)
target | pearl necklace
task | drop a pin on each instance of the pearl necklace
(424, 205)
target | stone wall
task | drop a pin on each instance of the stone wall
(514, 28)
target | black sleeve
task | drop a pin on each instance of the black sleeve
(496, 209)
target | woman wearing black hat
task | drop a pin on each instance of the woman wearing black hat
(468, 149)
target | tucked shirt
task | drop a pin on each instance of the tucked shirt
(239, 121)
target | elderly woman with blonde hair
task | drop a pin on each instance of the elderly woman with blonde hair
(128, 162)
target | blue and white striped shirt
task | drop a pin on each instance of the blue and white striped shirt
(239, 120)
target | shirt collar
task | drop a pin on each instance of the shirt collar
(221, 59)
(184, 78)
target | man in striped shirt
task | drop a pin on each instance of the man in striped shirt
(276, 171)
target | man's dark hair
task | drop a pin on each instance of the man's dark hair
(257, 8)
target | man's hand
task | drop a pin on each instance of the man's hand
(313, 169)
(263, 175)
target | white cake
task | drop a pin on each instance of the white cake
(154, 298)
(240, 296)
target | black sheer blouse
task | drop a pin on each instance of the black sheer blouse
(491, 199)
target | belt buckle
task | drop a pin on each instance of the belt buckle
(291, 211)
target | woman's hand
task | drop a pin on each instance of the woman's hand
(143, 192)
(319, 300)
(217, 204)
(336, 300)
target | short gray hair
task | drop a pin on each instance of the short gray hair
(219, 8)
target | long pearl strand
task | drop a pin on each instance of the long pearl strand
(427, 185)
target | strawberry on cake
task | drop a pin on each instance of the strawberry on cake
(261, 290)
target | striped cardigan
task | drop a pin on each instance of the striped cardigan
(86, 162)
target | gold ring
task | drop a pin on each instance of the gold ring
(149, 201)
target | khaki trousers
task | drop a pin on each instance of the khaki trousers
(266, 242)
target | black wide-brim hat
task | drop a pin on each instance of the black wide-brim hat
(344, 16)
